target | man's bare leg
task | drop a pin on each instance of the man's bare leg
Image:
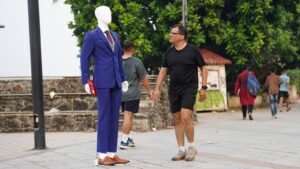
(126, 128)
(280, 104)
(186, 115)
(179, 129)
(179, 132)
(287, 102)
(127, 123)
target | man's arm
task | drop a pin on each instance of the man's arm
(145, 83)
(161, 76)
(204, 75)
(202, 92)
(267, 83)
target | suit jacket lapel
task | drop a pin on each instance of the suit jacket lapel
(101, 35)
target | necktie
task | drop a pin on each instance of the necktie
(109, 38)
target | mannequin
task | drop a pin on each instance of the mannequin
(109, 77)
(103, 15)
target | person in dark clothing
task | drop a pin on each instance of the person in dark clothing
(182, 61)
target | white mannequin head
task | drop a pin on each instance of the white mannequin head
(103, 15)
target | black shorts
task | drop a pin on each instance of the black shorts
(131, 106)
(182, 98)
(283, 94)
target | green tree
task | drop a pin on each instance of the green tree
(262, 33)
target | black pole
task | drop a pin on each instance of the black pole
(36, 73)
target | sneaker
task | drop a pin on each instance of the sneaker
(179, 156)
(131, 142)
(250, 116)
(191, 154)
(126, 145)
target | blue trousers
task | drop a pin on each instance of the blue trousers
(109, 101)
(273, 104)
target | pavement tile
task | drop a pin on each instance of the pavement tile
(223, 141)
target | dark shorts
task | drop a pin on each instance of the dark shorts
(131, 106)
(182, 98)
(283, 94)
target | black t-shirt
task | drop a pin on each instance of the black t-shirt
(183, 65)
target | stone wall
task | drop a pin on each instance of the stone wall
(68, 108)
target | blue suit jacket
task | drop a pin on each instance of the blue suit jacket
(108, 70)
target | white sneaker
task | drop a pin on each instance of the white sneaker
(191, 154)
(179, 156)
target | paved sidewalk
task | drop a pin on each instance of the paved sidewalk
(223, 140)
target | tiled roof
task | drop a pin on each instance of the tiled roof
(212, 58)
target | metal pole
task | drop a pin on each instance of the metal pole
(36, 73)
(184, 13)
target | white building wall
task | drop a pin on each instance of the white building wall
(59, 50)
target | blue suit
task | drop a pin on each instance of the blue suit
(108, 76)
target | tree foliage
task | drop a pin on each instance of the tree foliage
(262, 33)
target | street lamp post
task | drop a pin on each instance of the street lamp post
(36, 73)
(184, 13)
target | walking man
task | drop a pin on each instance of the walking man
(272, 86)
(182, 61)
(283, 91)
(135, 73)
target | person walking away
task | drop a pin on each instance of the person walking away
(181, 61)
(272, 87)
(283, 91)
(241, 90)
(135, 73)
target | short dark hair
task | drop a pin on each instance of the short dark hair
(128, 46)
(182, 30)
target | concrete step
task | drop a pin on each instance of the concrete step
(55, 84)
(61, 101)
(64, 121)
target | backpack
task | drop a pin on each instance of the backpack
(252, 84)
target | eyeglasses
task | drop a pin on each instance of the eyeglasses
(175, 33)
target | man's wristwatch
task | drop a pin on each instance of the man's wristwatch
(204, 87)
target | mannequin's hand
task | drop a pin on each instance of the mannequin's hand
(124, 86)
(87, 88)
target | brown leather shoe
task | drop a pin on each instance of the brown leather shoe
(106, 161)
(119, 160)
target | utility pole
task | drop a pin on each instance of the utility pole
(184, 13)
(36, 74)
